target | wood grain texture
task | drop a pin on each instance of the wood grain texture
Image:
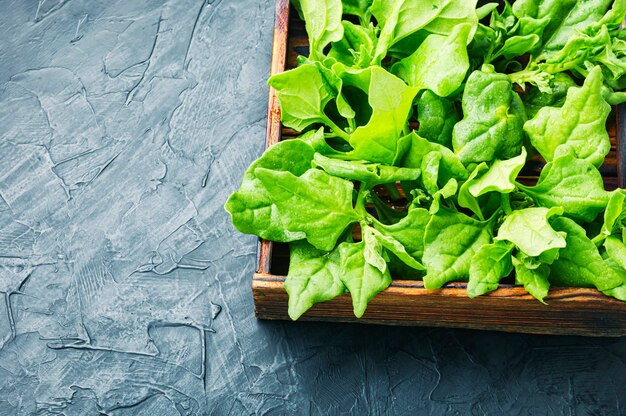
(570, 311)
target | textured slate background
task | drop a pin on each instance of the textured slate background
(124, 126)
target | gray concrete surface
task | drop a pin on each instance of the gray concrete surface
(124, 290)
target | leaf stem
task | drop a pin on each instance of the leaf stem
(336, 129)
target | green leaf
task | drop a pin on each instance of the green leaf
(323, 23)
(450, 243)
(489, 265)
(391, 100)
(437, 117)
(541, 17)
(370, 173)
(616, 250)
(373, 249)
(439, 64)
(579, 263)
(411, 152)
(493, 120)
(500, 177)
(446, 192)
(579, 125)
(401, 18)
(533, 275)
(519, 45)
(582, 15)
(389, 242)
(466, 199)
(615, 212)
(358, 8)
(251, 207)
(302, 94)
(409, 231)
(362, 279)
(530, 231)
(325, 202)
(573, 184)
(313, 277)
(356, 47)
(535, 99)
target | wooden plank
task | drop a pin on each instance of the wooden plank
(570, 311)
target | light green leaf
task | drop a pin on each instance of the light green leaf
(409, 231)
(500, 177)
(362, 279)
(579, 125)
(356, 47)
(313, 277)
(323, 23)
(446, 192)
(615, 212)
(580, 264)
(302, 94)
(251, 206)
(391, 101)
(411, 152)
(439, 64)
(388, 241)
(325, 202)
(573, 184)
(493, 119)
(466, 199)
(490, 264)
(402, 18)
(450, 243)
(529, 230)
(370, 173)
(533, 275)
(437, 117)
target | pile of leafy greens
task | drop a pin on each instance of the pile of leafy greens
(363, 194)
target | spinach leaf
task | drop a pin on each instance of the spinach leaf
(573, 184)
(579, 17)
(489, 265)
(493, 119)
(580, 264)
(356, 48)
(358, 8)
(437, 117)
(409, 231)
(439, 64)
(535, 99)
(370, 173)
(362, 279)
(533, 275)
(323, 23)
(251, 206)
(580, 124)
(401, 18)
(390, 243)
(303, 94)
(450, 242)
(500, 177)
(465, 198)
(531, 232)
(391, 100)
(325, 201)
(411, 152)
(313, 277)
(615, 212)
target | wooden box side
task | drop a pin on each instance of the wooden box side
(570, 311)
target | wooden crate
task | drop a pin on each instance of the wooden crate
(570, 311)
